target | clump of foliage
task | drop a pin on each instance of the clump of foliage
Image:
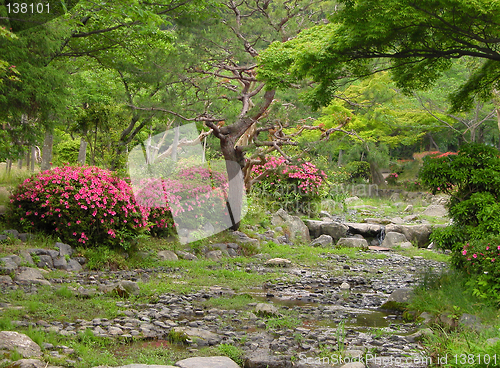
(472, 179)
(392, 178)
(359, 170)
(291, 185)
(481, 258)
(82, 205)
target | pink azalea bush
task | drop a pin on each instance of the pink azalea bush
(480, 259)
(81, 205)
(289, 184)
(195, 189)
(392, 178)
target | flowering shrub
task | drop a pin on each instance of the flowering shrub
(392, 178)
(481, 260)
(82, 205)
(197, 190)
(413, 185)
(291, 185)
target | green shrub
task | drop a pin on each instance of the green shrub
(472, 179)
(359, 170)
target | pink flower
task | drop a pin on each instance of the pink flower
(464, 252)
(474, 255)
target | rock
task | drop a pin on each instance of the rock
(245, 239)
(435, 210)
(199, 336)
(3, 238)
(322, 241)
(409, 209)
(366, 230)
(314, 227)
(417, 233)
(493, 341)
(447, 321)
(377, 221)
(470, 321)
(138, 366)
(28, 363)
(60, 263)
(406, 245)
(393, 239)
(398, 300)
(11, 340)
(426, 317)
(419, 335)
(24, 237)
(167, 255)
(45, 261)
(296, 230)
(440, 200)
(410, 218)
(345, 286)
(214, 254)
(27, 257)
(12, 233)
(352, 243)
(31, 275)
(64, 249)
(278, 262)
(207, 362)
(186, 255)
(3, 210)
(266, 310)
(7, 266)
(5, 279)
(351, 199)
(73, 266)
(335, 229)
(126, 288)
(262, 358)
(353, 365)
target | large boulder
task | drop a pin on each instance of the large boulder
(399, 299)
(197, 335)
(353, 243)
(335, 229)
(31, 275)
(393, 239)
(207, 362)
(294, 227)
(167, 255)
(364, 229)
(322, 241)
(436, 210)
(263, 358)
(414, 233)
(15, 341)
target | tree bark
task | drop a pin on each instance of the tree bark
(47, 149)
(82, 152)
(33, 158)
(377, 177)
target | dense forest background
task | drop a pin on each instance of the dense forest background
(101, 78)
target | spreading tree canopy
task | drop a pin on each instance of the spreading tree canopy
(416, 40)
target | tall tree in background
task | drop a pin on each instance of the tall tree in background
(416, 40)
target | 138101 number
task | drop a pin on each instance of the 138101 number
(24, 8)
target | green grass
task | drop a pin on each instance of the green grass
(446, 293)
